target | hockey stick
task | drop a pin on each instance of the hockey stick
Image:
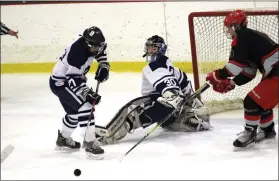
(91, 113)
(6, 152)
(189, 99)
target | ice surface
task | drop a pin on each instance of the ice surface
(31, 115)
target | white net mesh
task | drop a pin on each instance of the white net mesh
(213, 49)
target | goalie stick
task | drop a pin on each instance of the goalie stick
(6, 152)
(189, 99)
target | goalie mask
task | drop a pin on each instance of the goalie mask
(154, 47)
(94, 39)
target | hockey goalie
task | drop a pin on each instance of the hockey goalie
(163, 89)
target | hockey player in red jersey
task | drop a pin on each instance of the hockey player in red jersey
(251, 50)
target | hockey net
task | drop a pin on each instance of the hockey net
(211, 48)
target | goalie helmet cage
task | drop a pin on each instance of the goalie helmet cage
(210, 49)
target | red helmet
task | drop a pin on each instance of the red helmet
(236, 18)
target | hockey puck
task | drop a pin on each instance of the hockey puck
(77, 172)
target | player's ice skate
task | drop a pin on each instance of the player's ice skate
(246, 139)
(93, 150)
(66, 144)
(266, 135)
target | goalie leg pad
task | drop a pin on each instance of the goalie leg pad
(120, 126)
(141, 116)
(198, 118)
(122, 131)
(202, 112)
(192, 119)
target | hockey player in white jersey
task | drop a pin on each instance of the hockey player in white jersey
(163, 87)
(68, 83)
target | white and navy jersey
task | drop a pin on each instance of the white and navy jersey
(160, 76)
(4, 29)
(74, 64)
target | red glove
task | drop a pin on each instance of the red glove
(213, 78)
(224, 86)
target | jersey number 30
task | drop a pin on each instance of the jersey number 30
(170, 82)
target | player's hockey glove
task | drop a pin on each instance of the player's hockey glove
(224, 86)
(171, 98)
(91, 96)
(213, 78)
(102, 73)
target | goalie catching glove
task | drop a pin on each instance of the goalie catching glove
(220, 85)
(171, 98)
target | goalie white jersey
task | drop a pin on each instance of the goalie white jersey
(160, 76)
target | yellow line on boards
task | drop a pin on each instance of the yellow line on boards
(47, 67)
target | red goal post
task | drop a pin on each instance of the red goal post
(210, 50)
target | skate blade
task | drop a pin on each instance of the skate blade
(249, 146)
(65, 149)
(94, 157)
